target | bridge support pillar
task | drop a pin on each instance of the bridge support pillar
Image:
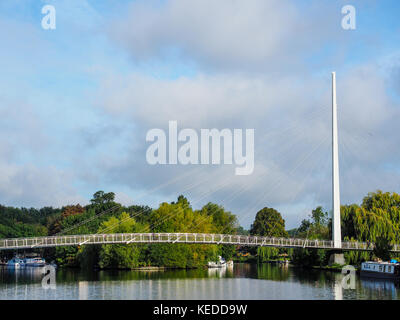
(337, 257)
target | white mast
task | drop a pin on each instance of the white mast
(336, 234)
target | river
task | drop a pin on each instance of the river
(243, 281)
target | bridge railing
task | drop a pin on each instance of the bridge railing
(127, 238)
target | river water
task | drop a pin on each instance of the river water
(243, 281)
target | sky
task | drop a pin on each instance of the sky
(77, 102)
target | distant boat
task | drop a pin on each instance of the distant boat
(16, 263)
(220, 264)
(388, 270)
(34, 262)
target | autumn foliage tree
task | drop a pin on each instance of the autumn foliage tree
(67, 211)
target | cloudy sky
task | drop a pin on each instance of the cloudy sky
(76, 102)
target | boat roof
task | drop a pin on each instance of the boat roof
(382, 262)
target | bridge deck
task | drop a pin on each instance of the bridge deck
(199, 238)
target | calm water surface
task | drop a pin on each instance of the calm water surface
(243, 281)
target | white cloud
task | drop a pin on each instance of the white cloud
(239, 35)
(27, 185)
(23, 140)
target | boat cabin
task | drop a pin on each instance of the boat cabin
(380, 269)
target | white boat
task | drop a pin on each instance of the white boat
(15, 263)
(388, 270)
(34, 262)
(220, 264)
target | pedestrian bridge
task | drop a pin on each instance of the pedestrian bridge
(198, 238)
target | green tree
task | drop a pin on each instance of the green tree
(100, 197)
(223, 221)
(120, 255)
(382, 248)
(269, 223)
(316, 228)
(378, 216)
(320, 218)
(180, 217)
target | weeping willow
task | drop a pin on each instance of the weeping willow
(266, 253)
(377, 216)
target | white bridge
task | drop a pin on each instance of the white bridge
(197, 238)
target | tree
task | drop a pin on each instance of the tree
(320, 218)
(68, 211)
(304, 226)
(120, 255)
(240, 230)
(223, 221)
(382, 248)
(269, 223)
(378, 216)
(179, 217)
(317, 227)
(100, 198)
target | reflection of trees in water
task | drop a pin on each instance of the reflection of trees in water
(314, 276)
(266, 271)
(272, 272)
(68, 275)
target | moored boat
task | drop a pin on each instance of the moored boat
(34, 262)
(388, 270)
(220, 264)
(15, 263)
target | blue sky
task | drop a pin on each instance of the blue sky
(76, 102)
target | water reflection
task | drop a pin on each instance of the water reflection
(220, 272)
(21, 276)
(243, 281)
(381, 288)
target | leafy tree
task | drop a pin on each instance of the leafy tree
(223, 221)
(382, 248)
(120, 255)
(316, 228)
(320, 218)
(378, 216)
(71, 210)
(268, 222)
(103, 201)
(240, 230)
(100, 197)
(304, 226)
(310, 257)
(180, 217)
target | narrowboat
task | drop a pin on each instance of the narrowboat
(34, 262)
(388, 270)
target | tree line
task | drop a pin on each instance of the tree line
(104, 215)
(376, 219)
